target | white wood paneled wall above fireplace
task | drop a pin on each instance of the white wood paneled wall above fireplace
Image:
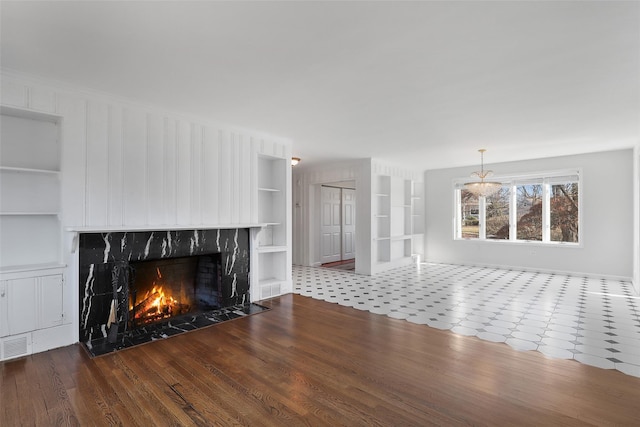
(148, 169)
(131, 165)
(126, 166)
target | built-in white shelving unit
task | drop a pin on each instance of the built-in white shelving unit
(392, 222)
(29, 190)
(382, 218)
(272, 239)
(400, 218)
(417, 219)
(31, 269)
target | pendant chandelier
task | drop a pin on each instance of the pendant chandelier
(482, 188)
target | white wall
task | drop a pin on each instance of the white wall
(607, 219)
(636, 217)
(130, 166)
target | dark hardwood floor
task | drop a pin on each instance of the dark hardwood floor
(309, 362)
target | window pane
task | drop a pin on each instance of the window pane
(498, 214)
(529, 212)
(564, 212)
(469, 215)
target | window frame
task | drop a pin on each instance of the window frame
(546, 179)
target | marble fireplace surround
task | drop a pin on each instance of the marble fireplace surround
(105, 256)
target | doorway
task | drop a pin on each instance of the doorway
(338, 226)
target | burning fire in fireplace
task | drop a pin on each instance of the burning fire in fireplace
(157, 303)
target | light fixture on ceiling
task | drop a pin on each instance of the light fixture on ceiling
(295, 161)
(482, 188)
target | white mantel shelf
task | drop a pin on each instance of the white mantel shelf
(115, 228)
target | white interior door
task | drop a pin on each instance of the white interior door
(330, 234)
(348, 223)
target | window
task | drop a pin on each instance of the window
(540, 208)
(497, 216)
(563, 205)
(470, 223)
(529, 212)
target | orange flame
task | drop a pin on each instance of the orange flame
(156, 304)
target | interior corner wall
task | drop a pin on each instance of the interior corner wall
(607, 246)
(636, 218)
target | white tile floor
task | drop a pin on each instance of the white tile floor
(594, 321)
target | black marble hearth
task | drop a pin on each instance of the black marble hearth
(110, 263)
(168, 328)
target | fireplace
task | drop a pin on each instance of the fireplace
(139, 286)
(162, 289)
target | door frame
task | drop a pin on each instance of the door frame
(315, 217)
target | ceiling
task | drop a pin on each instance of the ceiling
(419, 84)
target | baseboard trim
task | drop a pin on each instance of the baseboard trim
(541, 270)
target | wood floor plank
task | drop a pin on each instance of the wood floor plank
(144, 401)
(323, 386)
(309, 362)
(59, 408)
(229, 383)
(95, 390)
(154, 389)
(179, 387)
(9, 397)
(277, 378)
(237, 376)
(214, 402)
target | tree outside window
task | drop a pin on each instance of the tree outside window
(497, 206)
(469, 211)
(529, 212)
(522, 209)
(564, 212)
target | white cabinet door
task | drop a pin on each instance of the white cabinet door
(331, 225)
(348, 223)
(50, 288)
(30, 303)
(21, 305)
(4, 317)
